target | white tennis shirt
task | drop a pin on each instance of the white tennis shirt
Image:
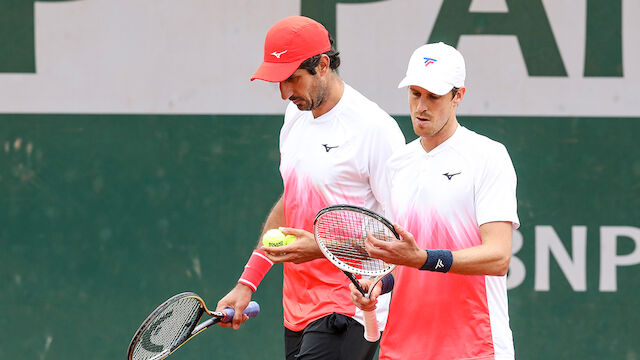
(442, 197)
(336, 158)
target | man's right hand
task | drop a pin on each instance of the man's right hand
(238, 299)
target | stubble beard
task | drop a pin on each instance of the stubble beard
(316, 96)
(431, 130)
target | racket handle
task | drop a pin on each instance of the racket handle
(252, 310)
(371, 332)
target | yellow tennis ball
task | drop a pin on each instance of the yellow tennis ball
(289, 239)
(273, 237)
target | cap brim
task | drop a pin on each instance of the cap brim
(432, 85)
(275, 72)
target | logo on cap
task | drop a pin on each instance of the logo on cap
(428, 61)
(277, 54)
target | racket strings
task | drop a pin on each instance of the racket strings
(343, 232)
(168, 328)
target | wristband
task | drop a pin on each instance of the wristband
(255, 270)
(438, 261)
(387, 283)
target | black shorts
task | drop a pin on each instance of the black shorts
(333, 337)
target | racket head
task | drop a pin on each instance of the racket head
(167, 327)
(340, 231)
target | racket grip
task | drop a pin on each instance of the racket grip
(252, 310)
(371, 332)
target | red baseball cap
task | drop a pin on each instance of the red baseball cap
(289, 42)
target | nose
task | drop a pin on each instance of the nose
(285, 90)
(422, 104)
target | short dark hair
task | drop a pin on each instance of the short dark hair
(454, 91)
(311, 63)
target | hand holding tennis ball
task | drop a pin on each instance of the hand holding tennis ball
(275, 237)
(288, 239)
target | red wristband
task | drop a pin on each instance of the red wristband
(255, 270)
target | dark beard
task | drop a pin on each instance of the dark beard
(317, 96)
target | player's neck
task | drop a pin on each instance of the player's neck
(335, 89)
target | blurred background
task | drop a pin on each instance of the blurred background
(137, 160)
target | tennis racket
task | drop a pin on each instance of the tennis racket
(175, 322)
(340, 231)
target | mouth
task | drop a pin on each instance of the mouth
(422, 119)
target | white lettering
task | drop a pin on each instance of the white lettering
(547, 241)
(609, 260)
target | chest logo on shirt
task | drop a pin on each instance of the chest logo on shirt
(449, 176)
(327, 147)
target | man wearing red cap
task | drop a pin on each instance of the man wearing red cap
(452, 192)
(333, 146)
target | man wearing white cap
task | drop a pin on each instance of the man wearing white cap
(334, 144)
(453, 193)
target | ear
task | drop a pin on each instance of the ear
(459, 95)
(324, 65)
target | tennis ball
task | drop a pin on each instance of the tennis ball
(289, 239)
(273, 237)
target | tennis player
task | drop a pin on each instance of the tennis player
(333, 146)
(453, 193)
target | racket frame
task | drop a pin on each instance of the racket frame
(349, 271)
(339, 263)
(195, 328)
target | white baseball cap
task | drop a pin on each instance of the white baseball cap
(435, 67)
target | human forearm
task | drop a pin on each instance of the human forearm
(480, 260)
(492, 257)
(259, 263)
